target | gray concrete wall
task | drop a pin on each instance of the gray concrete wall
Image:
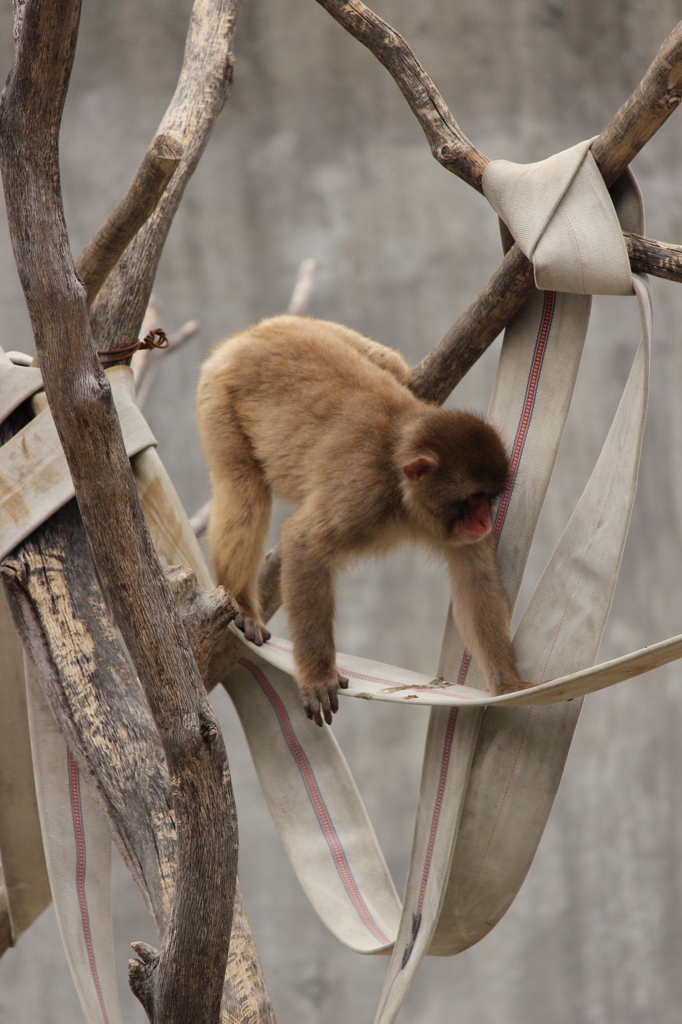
(318, 155)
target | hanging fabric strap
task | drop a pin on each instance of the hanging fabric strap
(501, 769)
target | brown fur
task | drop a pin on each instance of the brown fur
(316, 413)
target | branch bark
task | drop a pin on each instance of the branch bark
(200, 95)
(186, 983)
(647, 256)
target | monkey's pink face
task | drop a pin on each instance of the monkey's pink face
(475, 522)
(451, 513)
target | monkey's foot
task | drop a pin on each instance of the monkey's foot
(322, 699)
(252, 629)
(513, 687)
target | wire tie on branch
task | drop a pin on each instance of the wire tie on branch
(155, 339)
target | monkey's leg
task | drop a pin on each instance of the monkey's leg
(240, 514)
(380, 355)
(387, 359)
(481, 612)
(308, 595)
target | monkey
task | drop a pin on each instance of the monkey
(322, 416)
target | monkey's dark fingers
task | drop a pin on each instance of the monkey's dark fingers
(311, 706)
(343, 681)
(252, 630)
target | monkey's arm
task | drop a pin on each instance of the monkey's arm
(481, 612)
(308, 596)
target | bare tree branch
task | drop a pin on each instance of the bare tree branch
(448, 143)
(199, 97)
(651, 104)
(303, 289)
(661, 259)
(637, 120)
(442, 369)
(187, 982)
(106, 247)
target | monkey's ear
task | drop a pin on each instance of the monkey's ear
(420, 467)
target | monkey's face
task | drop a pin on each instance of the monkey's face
(456, 473)
(471, 519)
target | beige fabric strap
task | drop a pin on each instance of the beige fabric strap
(34, 479)
(21, 846)
(502, 769)
(78, 852)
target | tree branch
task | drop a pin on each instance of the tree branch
(448, 143)
(660, 259)
(199, 97)
(106, 247)
(637, 120)
(187, 982)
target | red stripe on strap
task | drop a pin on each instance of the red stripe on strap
(317, 801)
(79, 835)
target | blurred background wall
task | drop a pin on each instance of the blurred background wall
(317, 155)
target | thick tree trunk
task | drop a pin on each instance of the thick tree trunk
(101, 710)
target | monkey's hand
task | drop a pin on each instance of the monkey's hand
(321, 699)
(252, 629)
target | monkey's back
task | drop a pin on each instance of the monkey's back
(310, 403)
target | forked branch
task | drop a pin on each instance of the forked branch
(637, 120)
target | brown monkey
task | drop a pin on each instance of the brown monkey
(321, 416)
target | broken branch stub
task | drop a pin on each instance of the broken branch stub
(200, 95)
(108, 244)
